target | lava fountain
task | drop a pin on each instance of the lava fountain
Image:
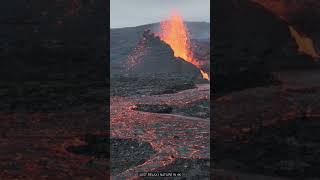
(175, 33)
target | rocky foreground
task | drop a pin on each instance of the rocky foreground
(53, 90)
(266, 106)
(43, 124)
(169, 141)
(270, 130)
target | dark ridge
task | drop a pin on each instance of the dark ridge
(249, 45)
(150, 84)
(155, 56)
(130, 41)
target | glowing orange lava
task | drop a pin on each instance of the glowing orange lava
(205, 75)
(305, 44)
(175, 33)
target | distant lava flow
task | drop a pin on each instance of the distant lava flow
(305, 44)
(175, 33)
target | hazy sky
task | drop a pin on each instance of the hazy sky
(128, 13)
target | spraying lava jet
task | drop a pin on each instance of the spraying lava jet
(305, 44)
(175, 33)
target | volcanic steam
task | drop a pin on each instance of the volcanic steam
(175, 33)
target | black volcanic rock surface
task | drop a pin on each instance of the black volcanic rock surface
(39, 40)
(263, 130)
(247, 32)
(249, 44)
(154, 108)
(303, 15)
(158, 57)
(150, 84)
(53, 80)
(47, 54)
(126, 153)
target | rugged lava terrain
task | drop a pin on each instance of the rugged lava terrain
(179, 141)
(158, 102)
(266, 109)
(53, 90)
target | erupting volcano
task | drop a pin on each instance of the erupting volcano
(175, 33)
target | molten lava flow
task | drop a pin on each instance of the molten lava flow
(305, 44)
(174, 32)
(205, 75)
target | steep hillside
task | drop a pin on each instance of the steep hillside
(124, 44)
(124, 40)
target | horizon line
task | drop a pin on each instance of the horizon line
(153, 23)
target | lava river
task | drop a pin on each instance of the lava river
(171, 136)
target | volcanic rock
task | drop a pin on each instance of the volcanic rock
(126, 153)
(199, 108)
(50, 62)
(158, 57)
(303, 15)
(250, 43)
(97, 146)
(155, 84)
(286, 149)
(155, 108)
(271, 130)
(43, 65)
(35, 47)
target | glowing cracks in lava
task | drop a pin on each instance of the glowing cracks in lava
(175, 33)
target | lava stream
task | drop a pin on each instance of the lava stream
(204, 75)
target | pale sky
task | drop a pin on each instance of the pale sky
(129, 13)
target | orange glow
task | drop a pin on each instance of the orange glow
(205, 75)
(305, 44)
(175, 33)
